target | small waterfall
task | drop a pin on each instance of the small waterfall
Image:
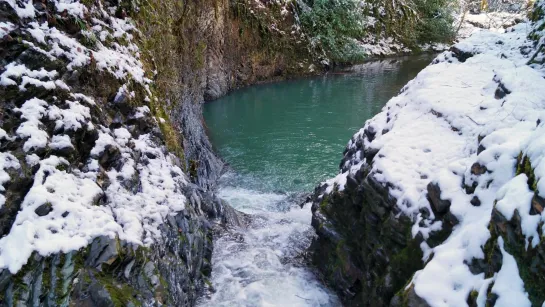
(262, 264)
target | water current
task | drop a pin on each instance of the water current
(280, 140)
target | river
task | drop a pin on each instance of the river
(280, 140)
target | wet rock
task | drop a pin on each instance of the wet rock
(364, 251)
(491, 299)
(462, 56)
(370, 133)
(351, 182)
(64, 151)
(438, 205)
(538, 203)
(100, 296)
(475, 201)
(530, 259)
(109, 156)
(122, 103)
(103, 250)
(409, 298)
(44, 209)
(370, 154)
(478, 169)
(501, 92)
(450, 220)
(470, 189)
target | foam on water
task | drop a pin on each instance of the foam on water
(261, 265)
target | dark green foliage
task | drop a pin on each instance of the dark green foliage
(333, 25)
(435, 21)
(415, 22)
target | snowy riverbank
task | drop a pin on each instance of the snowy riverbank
(453, 151)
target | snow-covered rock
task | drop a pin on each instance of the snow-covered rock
(91, 199)
(440, 196)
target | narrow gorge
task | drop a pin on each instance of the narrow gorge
(170, 153)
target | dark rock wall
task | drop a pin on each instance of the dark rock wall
(364, 248)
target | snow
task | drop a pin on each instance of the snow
(5, 28)
(29, 76)
(73, 8)
(468, 25)
(384, 46)
(508, 285)
(142, 112)
(121, 61)
(85, 98)
(535, 150)
(71, 118)
(158, 196)
(430, 132)
(25, 10)
(32, 159)
(67, 195)
(60, 142)
(7, 161)
(32, 111)
(3, 134)
(515, 195)
(491, 21)
(104, 139)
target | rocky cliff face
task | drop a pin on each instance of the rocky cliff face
(105, 168)
(215, 46)
(438, 201)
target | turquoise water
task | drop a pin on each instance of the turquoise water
(280, 140)
(289, 136)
